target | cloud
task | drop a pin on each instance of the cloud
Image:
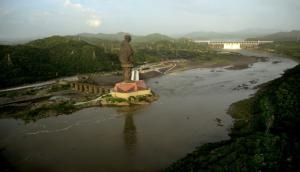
(75, 6)
(91, 17)
(94, 22)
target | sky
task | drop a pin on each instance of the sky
(41, 18)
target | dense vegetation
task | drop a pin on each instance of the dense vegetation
(264, 137)
(290, 48)
(50, 58)
(59, 56)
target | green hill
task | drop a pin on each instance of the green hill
(112, 37)
(52, 57)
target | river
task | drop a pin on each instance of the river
(190, 111)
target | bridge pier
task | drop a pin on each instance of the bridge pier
(90, 88)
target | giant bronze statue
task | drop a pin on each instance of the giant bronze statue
(131, 86)
(125, 58)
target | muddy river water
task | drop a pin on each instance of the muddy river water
(190, 111)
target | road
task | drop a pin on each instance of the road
(40, 84)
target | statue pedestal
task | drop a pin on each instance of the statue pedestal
(130, 89)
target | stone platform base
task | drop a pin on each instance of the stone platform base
(130, 89)
(131, 94)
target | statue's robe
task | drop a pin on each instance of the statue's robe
(126, 53)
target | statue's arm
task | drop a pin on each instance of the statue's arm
(131, 54)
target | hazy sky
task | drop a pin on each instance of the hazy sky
(31, 18)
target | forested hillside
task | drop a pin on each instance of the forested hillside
(50, 58)
(290, 48)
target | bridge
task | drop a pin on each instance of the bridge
(232, 44)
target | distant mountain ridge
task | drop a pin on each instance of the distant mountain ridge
(114, 37)
(293, 35)
(120, 36)
(254, 33)
(234, 35)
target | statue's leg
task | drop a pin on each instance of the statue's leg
(129, 73)
(126, 74)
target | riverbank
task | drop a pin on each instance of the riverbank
(40, 101)
(232, 59)
(264, 136)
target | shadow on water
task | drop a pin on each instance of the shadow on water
(4, 164)
(129, 131)
(130, 137)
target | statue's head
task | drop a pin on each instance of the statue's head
(127, 37)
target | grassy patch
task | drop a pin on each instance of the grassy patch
(8, 94)
(256, 152)
(59, 87)
(115, 100)
(34, 113)
(242, 109)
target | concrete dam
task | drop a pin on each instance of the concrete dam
(232, 45)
